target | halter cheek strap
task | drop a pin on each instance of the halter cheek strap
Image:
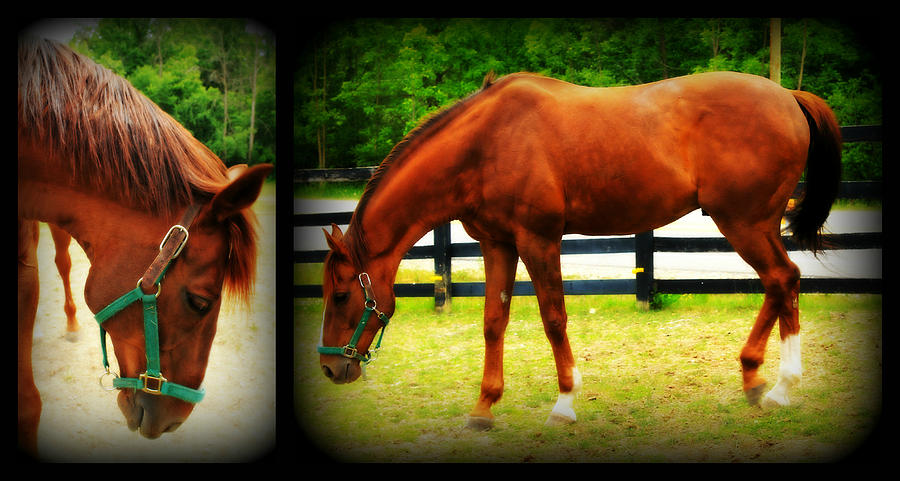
(152, 380)
(349, 350)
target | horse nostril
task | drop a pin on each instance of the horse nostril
(327, 372)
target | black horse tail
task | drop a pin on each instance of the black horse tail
(823, 173)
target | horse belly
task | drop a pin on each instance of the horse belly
(629, 206)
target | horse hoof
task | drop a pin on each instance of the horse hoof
(478, 423)
(773, 402)
(556, 419)
(754, 394)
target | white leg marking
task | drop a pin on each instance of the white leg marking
(564, 402)
(789, 373)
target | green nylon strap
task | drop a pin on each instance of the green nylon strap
(117, 305)
(349, 350)
(186, 394)
(151, 334)
(151, 342)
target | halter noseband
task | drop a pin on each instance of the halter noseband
(152, 380)
(349, 350)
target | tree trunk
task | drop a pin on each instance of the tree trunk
(224, 73)
(253, 97)
(662, 48)
(802, 58)
(775, 50)
(320, 103)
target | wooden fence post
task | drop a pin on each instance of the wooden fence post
(643, 268)
(442, 294)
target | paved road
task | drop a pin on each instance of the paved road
(864, 263)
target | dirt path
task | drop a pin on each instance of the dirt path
(82, 423)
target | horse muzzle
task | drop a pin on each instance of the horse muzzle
(152, 415)
(341, 370)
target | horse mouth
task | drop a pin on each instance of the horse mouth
(142, 414)
(342, 372)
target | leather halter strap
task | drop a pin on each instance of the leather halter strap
(349, 350)
(170, 247)
(152, 380)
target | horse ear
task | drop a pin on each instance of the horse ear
(235, 171)
(241, 192)
(335, 241)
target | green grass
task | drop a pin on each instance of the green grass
(658, 386)
(329, 190)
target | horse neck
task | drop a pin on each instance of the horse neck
(102, 226)
(425, 189)
(47, 192)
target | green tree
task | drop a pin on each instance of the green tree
(361, 85)
(215, 76)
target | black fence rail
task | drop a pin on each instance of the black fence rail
(643, 245)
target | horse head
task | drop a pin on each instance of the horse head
(353, 311)
(186, 301)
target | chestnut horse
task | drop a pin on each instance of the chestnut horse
(527, 159)
(103, 163)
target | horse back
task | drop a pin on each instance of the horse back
(619, 160)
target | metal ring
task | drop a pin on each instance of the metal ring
(107, 373)
(158, 287)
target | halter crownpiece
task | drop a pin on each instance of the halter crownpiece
(349, 350)
(152, 381)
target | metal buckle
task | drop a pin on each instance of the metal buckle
(367, 286)
(169, 234)
(349, 352)
(160, 380)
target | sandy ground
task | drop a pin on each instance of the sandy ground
(81, 422)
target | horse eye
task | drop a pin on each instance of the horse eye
(341, 297)
(197, 303)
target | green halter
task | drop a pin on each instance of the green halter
(152, 380)
(349, 349)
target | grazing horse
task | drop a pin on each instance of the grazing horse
(528, 158)
(148, 203)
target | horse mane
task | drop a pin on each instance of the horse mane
(119, 143)
(423, 129)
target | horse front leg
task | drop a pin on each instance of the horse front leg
(541, 258)
(29, 400)
(500, 261)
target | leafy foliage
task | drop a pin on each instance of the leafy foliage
(361, 85)
(201, 72)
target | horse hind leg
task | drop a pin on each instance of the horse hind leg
(61, 241)
(781, 279)
(541, 258)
